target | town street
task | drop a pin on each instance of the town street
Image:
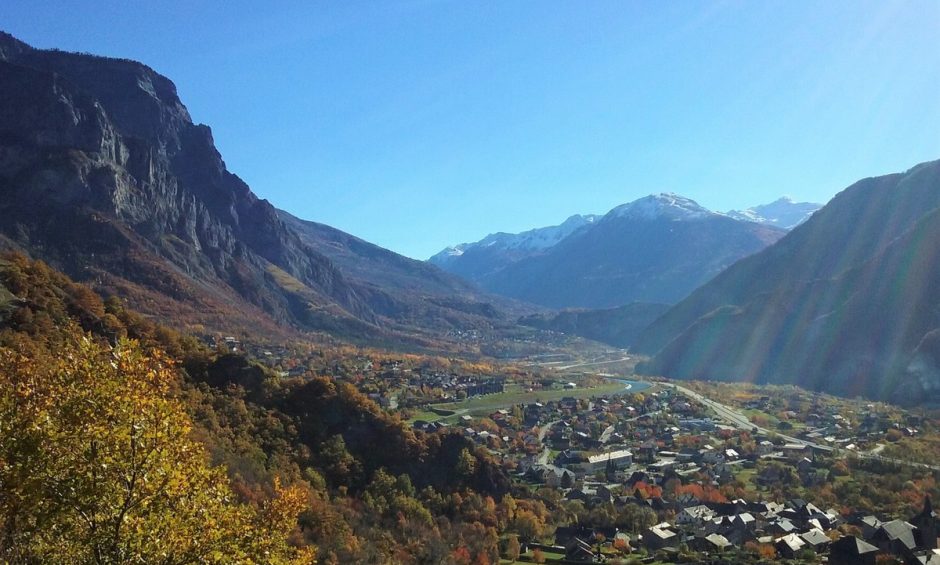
(543, 456)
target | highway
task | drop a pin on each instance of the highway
(592, 363)
(741, 421)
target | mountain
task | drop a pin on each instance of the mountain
(416, 285)
(656, 250)
(104, 175)
(615, 326)
(847, 302)
(475, 261)
(782, 213)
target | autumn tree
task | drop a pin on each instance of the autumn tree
(97, 466)
(528, 525)
(513, 549)
(635, 518)
(466, 463)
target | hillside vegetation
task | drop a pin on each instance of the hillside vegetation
(304, 449)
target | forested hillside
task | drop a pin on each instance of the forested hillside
(299, 454)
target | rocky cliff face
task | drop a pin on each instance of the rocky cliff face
(104, 174)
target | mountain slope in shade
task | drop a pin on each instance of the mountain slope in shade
(782, 213)
(848, 302)
(614, 326)
(656, 249)
(104, 175)
(415, 284)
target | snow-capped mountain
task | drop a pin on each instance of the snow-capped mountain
(666, 204)
(531, 240)
(509, 247)
(663, 205)
(655, 249)
(783, 213)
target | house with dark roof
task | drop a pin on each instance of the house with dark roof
(738, 529)
(796, 451)
(926, 524)
(646, 453)
(896, 537)
(551, 475)
(868, 524)
(564, 534)
(849, 550)
(638, 476)
(577, 494)
(579, 551)
(781, 527)
(687, 499)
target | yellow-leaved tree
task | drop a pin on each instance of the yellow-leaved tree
(97, 466)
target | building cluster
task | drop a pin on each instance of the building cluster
(599, 451)
(794, 530)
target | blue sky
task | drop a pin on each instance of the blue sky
(418, 124)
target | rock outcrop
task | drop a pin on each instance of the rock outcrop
(104, 174)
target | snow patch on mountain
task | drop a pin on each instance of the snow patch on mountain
(665, 205)
(782, 213)
(537, 239)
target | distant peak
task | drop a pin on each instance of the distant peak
(782, 213)
(663, 205)
(533, 240)
(579, 220)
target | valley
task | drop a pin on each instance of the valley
(190, 373)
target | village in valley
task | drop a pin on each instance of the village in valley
(654, 471)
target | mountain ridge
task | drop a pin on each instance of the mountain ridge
(499, 250)
(104, 175)
(655, 249)
(829, 306)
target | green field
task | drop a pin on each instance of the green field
(484, 405)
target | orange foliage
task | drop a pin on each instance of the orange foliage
(648, 491)
(767, 551)
(461, 555)
(705, 493)
(763, 550)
